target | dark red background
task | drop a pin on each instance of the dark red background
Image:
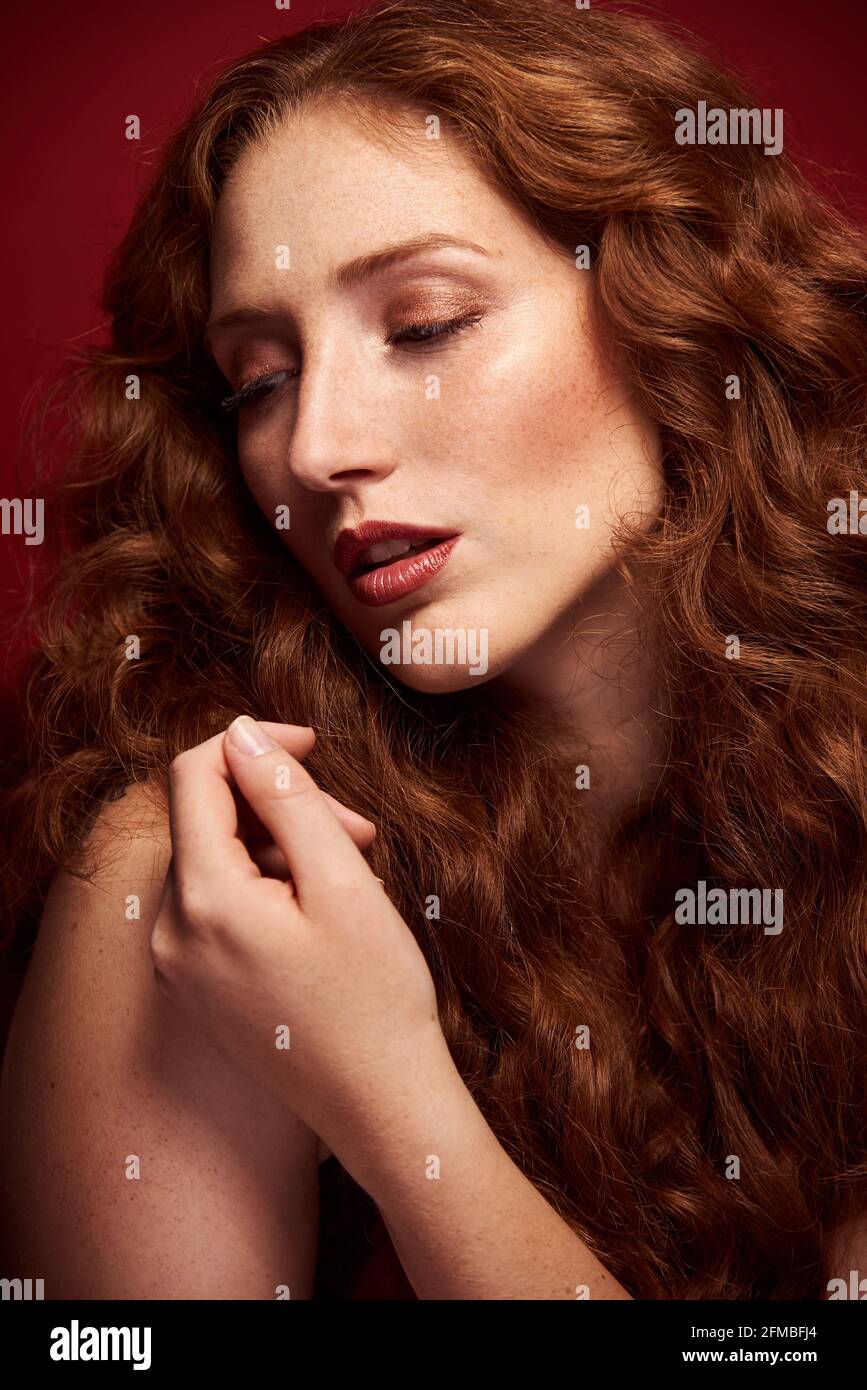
(74, 72)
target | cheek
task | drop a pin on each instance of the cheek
(553, 434)
(262, 479)
(554, 419)
(281, 503)
(529, 414)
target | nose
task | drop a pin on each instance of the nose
(338, 439)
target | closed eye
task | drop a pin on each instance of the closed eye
(413, 334)
(426, 332)
(262, 385)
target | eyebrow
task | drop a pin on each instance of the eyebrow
(354, 272)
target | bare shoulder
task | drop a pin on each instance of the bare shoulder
(95, 927)
(136, 1161)
(129, 844)
(130, 830)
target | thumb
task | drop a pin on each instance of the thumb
(318, 850)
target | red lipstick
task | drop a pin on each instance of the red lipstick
(384, 578)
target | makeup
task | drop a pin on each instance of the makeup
(383, 561)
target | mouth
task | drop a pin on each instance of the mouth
(382, 561)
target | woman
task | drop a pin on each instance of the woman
(477, 437)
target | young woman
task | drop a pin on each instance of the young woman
(479, 438)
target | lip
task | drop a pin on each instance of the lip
(378, 587)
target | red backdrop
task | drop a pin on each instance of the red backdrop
(73, 73)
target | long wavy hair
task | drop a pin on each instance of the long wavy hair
(707, 1042)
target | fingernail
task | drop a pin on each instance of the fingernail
(249, 737)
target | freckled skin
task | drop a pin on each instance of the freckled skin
(534, 417)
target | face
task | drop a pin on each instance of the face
(429, 406)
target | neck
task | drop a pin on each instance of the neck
(590, 670)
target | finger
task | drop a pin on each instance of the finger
(254, 833)
(256, 836)
(161, 931)
(361, 830)
(318, 850)
(272, 861)
(203, 813)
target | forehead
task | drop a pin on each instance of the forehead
(331, 187)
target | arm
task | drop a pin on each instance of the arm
(99, 1068)
(368, 1068)
(479, 1230)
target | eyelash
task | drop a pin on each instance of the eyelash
(429, 331)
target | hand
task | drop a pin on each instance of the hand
(267, 856)
(321, 953)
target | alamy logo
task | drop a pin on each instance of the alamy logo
(442, 646)
(737, 126)
(76, 1343)
(22, 1289)
(856, 1288)
(23, 516)
(847, 519)
(730, 906)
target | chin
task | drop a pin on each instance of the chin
(431, 650)
(438, 680)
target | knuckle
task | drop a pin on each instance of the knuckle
(343, 890)
(161, 954)
(179, 764)
(304, 789)
(162, 982)
(194, 904)
(281, 780)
